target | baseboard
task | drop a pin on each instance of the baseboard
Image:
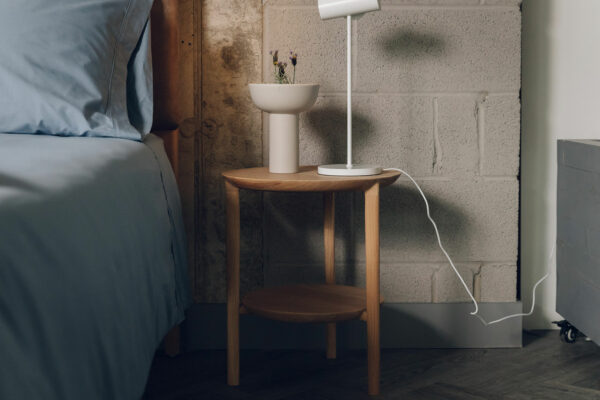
(403, 325)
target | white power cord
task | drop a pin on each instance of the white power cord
(437, 234)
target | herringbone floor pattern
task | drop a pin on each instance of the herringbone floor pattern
(545, 368)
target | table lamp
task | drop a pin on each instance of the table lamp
(329, 9)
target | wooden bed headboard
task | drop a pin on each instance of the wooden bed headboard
(165, 64)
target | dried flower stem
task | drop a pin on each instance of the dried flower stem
(279, 71)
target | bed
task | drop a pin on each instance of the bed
(93, 269)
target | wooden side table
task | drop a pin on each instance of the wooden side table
(328, 303)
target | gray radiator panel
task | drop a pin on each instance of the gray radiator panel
(578, 235)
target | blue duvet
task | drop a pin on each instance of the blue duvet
(92, 265)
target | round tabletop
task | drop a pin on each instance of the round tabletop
(306, 180)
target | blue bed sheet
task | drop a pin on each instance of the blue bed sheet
(92, 265)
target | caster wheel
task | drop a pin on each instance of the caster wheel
(568, 333)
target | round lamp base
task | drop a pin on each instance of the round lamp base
(343, 170)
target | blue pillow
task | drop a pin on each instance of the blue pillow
(140, 100)
(64, 67)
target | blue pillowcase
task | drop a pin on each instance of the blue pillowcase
(75, 68)
(140, 100)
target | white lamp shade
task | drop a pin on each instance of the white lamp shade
(342, 8)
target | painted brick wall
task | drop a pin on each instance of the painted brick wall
(436, 89)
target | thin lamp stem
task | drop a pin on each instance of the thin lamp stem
(349, 54)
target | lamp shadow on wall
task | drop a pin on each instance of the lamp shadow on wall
(328, 129)
(408, 43)
(296, 227)
(406, 229)
(409, 50)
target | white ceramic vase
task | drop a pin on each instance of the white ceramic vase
(283, 102)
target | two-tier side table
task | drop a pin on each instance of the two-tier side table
(327, 303)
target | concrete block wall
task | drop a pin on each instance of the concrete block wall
(229, 137)
(436, 92)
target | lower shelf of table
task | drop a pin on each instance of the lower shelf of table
(308, 303)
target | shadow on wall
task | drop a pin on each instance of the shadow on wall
(406, 47)
(410, 44)
(328, 125)
(295, 233)
(405, 227)
(294, 222)
(389, 131)
(295, 237)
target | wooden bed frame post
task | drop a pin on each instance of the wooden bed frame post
(329, 245)
(165, 64)
(233, 283)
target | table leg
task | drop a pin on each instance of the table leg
(233, 283)
(372, 256)
(329, 239)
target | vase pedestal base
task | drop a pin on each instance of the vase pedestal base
(284, 153)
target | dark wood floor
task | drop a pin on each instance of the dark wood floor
(545, 368)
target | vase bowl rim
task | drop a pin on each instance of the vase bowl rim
(284, 98)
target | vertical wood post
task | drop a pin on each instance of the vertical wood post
(372, 272)
(233, 283)
(329, 241)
